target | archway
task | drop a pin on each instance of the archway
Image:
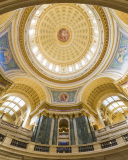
(63, 126)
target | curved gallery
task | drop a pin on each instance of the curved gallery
(63, 84)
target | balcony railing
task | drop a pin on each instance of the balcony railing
(19, 131)
(86, 148)
(63, 134)
(125, 137)
(108, 144)
(18, 144)
(112, 126)
(113, 130)
(64, 150)
(9, 124)
(2, 137)
(41, 148)
(118, 124)
(32, 148)
(101, 130)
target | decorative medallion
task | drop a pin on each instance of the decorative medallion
(63, 35)
(63, 97)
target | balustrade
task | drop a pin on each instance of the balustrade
(101, 130)
(41, 148)
(118, 124)
(2, 137)
(112, 126)
(18, 131)
(63, 134)
(18, 144)
(108, 144)
(30, 146)
(63, 149)
(86, 148)
(25, 130)
(125, 137)
(9, 124)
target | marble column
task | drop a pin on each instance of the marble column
(72, 134)
(38, 128)
(75, 131)
(84, 131)
(52, 127)
(40, 136)
(35, 130)
(54, 139)
(78, 125)
(47, 131)
(92, 130)
(86, 127)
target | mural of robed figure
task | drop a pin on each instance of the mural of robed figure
(5, 56)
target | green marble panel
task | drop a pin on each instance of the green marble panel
(54, 138)
(72, 135)
(79, 134)
(48, 130)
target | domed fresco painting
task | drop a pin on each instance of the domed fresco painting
(121, 58)
(7, 61)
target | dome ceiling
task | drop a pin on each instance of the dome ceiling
(64, 38)
(63, 41)
(63, 33)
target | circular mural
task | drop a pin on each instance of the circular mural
(63, 35)
(63, 97)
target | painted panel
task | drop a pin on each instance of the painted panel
(7, 61)
(121, 58)
(64, 97)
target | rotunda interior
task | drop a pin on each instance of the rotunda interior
(64, 83)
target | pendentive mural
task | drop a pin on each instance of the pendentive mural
(7, 61)
(64, 96)
(121, 58)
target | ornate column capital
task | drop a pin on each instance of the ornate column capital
(38, 115)
(56, 115)
(51, 115)
(77, 115)
(70, 115)
(44, 113)
(88, 115)
(83, 113)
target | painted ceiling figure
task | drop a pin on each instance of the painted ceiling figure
(63, 35)
(4, 56)
(63, 97)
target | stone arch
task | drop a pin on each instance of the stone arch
(92, 89)
(6, 6)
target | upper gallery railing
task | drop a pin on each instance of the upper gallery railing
(20, 147)
(63, 134)
(18, 131)
(114, 129)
